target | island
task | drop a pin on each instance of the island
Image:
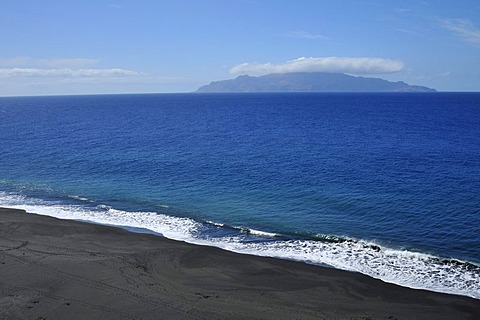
(309, 82)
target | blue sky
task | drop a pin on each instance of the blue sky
(127, 46)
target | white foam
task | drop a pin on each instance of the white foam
(410, 269)
(171, 227)
(262, 233)
(215, 223)
(79, 198)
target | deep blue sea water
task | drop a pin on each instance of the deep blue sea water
(383, 184)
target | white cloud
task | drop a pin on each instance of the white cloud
(357, 66)
(66, 73)
(68, 68)
(307, 35)
(463, 28)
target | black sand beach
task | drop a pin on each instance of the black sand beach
(58, 269)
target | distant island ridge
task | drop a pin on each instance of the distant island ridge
(309, 82)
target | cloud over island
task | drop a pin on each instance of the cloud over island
(355, 66)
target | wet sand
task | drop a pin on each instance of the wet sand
(60, 269)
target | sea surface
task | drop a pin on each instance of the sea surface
(383, 184)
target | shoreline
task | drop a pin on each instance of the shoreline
(51, 268)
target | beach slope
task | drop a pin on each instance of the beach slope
(59, 269)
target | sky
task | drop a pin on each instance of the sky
(131, 46)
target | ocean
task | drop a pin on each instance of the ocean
(385, 184)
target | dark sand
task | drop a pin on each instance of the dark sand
(59, 269)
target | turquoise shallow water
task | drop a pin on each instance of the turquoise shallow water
(384, 184)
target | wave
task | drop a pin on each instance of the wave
(79, 198)
(241, 229)
(402, 267)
